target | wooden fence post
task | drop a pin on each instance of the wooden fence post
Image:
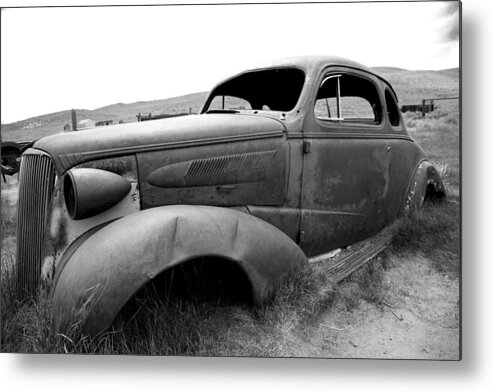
(74, 121)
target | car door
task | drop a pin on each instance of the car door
(345, 163)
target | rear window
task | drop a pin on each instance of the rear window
(272, 89)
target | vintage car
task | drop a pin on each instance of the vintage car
(283, 163)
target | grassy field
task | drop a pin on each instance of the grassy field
(413, 86)
(300, 321)
(439, 136)
(402, 304)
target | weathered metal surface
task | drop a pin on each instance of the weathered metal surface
(425, 179)
(237, 173)
(88, 192)
(345, 263)
(226, 169)
(405, 157)
(345, 188)
(112, 264)
(71, 149)
(62, 230)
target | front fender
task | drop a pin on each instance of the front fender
(106, 270)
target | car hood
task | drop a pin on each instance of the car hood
(70, 149)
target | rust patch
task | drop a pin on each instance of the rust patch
(121, 165)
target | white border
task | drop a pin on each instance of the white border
(473, 373)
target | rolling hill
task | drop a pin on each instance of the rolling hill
(411, 87)
(37, 127)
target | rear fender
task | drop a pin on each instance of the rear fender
(106, 270)
(426, 178)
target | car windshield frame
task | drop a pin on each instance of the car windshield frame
(276, 89)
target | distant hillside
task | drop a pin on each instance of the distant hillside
(183, 104)
(48, 124)
(411, 87)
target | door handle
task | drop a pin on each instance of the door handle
(225, 187)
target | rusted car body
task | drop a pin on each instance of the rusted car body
(284, 162)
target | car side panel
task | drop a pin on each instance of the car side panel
(287, 217)
(406, 155)
(345, 185)
(226, 174)
(345, 175)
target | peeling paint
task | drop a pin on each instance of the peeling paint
(63, 231)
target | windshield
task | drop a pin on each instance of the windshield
(272, 89)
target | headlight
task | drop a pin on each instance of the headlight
(89, 192)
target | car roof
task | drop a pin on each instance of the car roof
(313, 63)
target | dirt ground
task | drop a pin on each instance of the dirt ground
(422, 321)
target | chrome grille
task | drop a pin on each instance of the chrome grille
(36, 181)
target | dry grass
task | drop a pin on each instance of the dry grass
(438, 134)
(433, 232)
(9, 208)
(152, 326)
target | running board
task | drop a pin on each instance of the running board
(341, 264)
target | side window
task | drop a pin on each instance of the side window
(229, 103)
(348, 98)
(392, 109)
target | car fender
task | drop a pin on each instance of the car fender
(113, 263)
(425, 179)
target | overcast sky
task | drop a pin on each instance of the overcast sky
(55, 59)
